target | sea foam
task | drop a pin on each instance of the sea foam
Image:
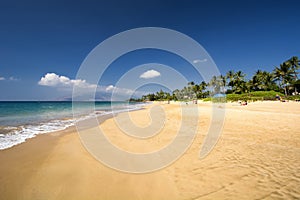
(14, 135)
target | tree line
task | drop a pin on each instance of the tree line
(282, 79)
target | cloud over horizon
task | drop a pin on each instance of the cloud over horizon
(54, 80)
(110, 88)
(199, 61)
(65, 84)
(11, 78)
(150, 74)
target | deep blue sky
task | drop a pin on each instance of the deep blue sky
(38, 37)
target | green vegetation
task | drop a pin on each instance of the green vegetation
(263, 85)
(253, 96)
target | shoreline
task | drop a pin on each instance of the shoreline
(256, 155)
(228, 105)
(12, 135)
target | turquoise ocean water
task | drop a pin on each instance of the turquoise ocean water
(22, 120)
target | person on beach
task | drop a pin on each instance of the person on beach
(244, 103)
(283, 100)
(277, 97)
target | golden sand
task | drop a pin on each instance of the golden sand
(256, 157)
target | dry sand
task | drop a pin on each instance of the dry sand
(256, 157)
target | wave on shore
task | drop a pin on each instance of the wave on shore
(11, 135)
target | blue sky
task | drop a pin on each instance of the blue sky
(40, 37)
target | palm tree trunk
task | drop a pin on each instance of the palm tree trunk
(295, 81)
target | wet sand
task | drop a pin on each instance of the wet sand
(256, 157)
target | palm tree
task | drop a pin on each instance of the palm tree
(269, 81)
(295, 65)
(201, 90)
(257, 81)
(284, 75)
(218, 84)
(202, 86)
(238, 82)
(223, 82)
(230, 76)
(177, 93)
(191, 83)
(262, 80)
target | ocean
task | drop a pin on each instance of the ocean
(20, 121)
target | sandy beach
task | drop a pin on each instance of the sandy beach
(256, 157)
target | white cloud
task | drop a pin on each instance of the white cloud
(123, 90)
(54, 80)
(110, 88)
(86, 90)
(9, 79)
(199, 61)
(150, 74)
(117, 90)
(114, 93)
(13, 78)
